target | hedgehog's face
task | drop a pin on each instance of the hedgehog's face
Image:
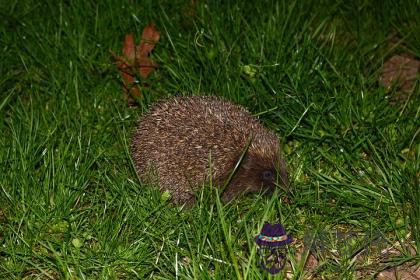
(268, 178)
(258, 174)
(261, 176)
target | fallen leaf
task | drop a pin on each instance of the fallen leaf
(146, 67)
(149, 38)
(129, 50)
(135, 60)
(405, 272)
(126, 66)
(400, 71)
(311, 263)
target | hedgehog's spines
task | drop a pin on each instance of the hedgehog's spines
(177, 135)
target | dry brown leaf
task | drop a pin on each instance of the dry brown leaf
(129, 48)
(149, 38)
(126, 66)
(405, 272)
(311, 262)
(400, 70)
(135, 60)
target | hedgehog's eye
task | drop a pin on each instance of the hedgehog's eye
(268, 175)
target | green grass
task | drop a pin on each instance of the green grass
(71, 205)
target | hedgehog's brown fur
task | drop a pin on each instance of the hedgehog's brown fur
(176, 138)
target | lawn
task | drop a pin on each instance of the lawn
(71, 204)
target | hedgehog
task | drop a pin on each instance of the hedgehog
(181, 140)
